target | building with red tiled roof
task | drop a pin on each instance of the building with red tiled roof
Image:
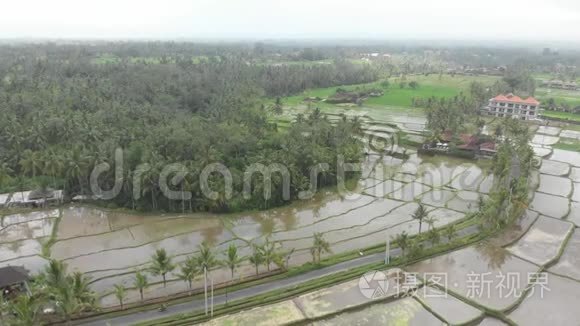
(513, 106)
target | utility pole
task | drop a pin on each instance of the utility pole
(212, 296)
(205, 287)
(388, 251)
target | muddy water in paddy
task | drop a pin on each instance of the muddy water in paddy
(485, 259)
(569, 264)
(554, 168)
(550, 205)
(451, 309)
(543, 242)
(556, 305)
(576, 194)
(572, 158)
(407, 311)
(110, 245)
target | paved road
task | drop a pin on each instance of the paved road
(198, 305)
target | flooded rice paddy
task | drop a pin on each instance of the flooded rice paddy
(110, 245)
(542, 240)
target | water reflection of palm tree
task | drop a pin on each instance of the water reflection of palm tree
(267, 225)
(211, 234)
(289, 220)
(495, 255)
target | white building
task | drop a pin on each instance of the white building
(513, 106)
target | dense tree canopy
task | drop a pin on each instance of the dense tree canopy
(63, 114)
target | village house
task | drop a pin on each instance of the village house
(513, 106)
(476, 145)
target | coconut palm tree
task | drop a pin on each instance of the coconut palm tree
(419, 215)
(319, 246)
(403, 241)
(140, 283)
(269, 252)
(52, 166)
(161, 264)
(67, 304)
(189, 270)
(233, 259)
(282, 258)
(450, 232)
(3, 307)
(55, 273)
(24, 310)
(81, 289)
(430, 220)
(434, 236)
(120, 294)
(206, 261)
(30, 162)
(257, 257)
(5, 172)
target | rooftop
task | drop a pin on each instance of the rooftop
(12, 275)
(515, 99)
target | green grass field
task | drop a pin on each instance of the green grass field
(432, 85)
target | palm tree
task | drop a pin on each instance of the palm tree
(480, 202)
(419, 215)
(25, 309)
(319, 246)
(257, 257)
(416, 248)
(3, 307)
(233, 260)
(120, 294)
(282, 258)
(269, 252)
(30, 162)
(189, 270)
(434, 236)
(161, 264)
(81, 289)
(450, 232)
(67, 303)
(403, 241)
(55, 273)
(5, 171)
(52, 166)
(430, 220)
(140, 283)
(206, 260)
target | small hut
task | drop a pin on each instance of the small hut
(13, 281)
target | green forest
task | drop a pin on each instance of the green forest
(63, 113)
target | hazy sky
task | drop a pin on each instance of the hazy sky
(259, 19)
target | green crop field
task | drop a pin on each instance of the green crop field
(561, 115)
(446, 86)
(572, 98)
(568, 144)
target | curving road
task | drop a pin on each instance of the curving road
(199, 305)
